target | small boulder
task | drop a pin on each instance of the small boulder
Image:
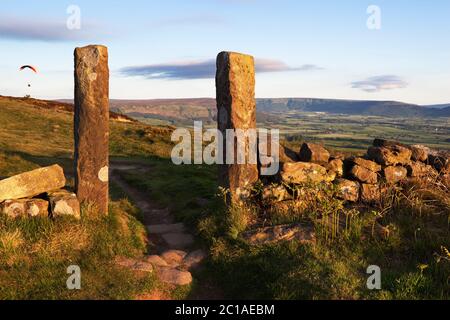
(419, 153)
(142, 266)
(303, 172)
(32, 183)
(336, 166)
(275, 193)
(173, 257)
(389, 156)
(156, 260)
(24, 208)
(394, 174)
(440, 161)
(364, 163)
(193, 259)
(174, 276)
(388, 143)
(370, 193)
(347, 190)
(315, 153)
(420, 169)
(64, 203)
(363, 175)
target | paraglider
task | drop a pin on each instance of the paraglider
(31, 68)
(28, 67)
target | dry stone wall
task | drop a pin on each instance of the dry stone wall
(364, 178)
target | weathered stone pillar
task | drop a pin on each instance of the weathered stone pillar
(91, 126)
(235, 94)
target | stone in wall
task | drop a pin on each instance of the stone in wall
(24, 208)
(363, 175)
(91, 125)
(419, 169)
(391, 155)
(420, 153)
(370, 193)
(336, 166)
(275, 193)
(310, 152)
(32, 183)
(235, 94)
(395, 174)
(347, 189)
(303, 172)
(367, 164)
(440, 161)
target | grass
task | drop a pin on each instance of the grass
(35, 255)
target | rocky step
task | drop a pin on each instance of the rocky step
(166, 228)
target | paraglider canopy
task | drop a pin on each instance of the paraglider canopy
(28, 67)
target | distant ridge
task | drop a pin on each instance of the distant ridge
(205, 108)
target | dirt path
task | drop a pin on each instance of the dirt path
(172, 249)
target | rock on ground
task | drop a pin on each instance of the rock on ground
(394, 174)
(174, 276)
(391, 155)
(420, 169)
(440, 161)
(32, 183)
(336, 166)
(193, 259)
(303, 172)
(363, 175)
(64, 203)
(173, 257)
(275, 193)
(310, 152)
(347, 189)
(370, 193)
(420, 153)
(24, 208)
(367, 164)
(156, 260)
(302, 233)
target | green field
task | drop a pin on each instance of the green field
(356, 133)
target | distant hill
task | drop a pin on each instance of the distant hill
(439, 106)
(353, 107)
(186, 110)
(63, 105)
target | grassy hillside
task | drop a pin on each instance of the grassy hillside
(34, 254)
(32, 134)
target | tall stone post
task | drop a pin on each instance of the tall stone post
(91, 126)
(235, 94)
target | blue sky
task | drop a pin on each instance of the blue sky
(166, 49)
